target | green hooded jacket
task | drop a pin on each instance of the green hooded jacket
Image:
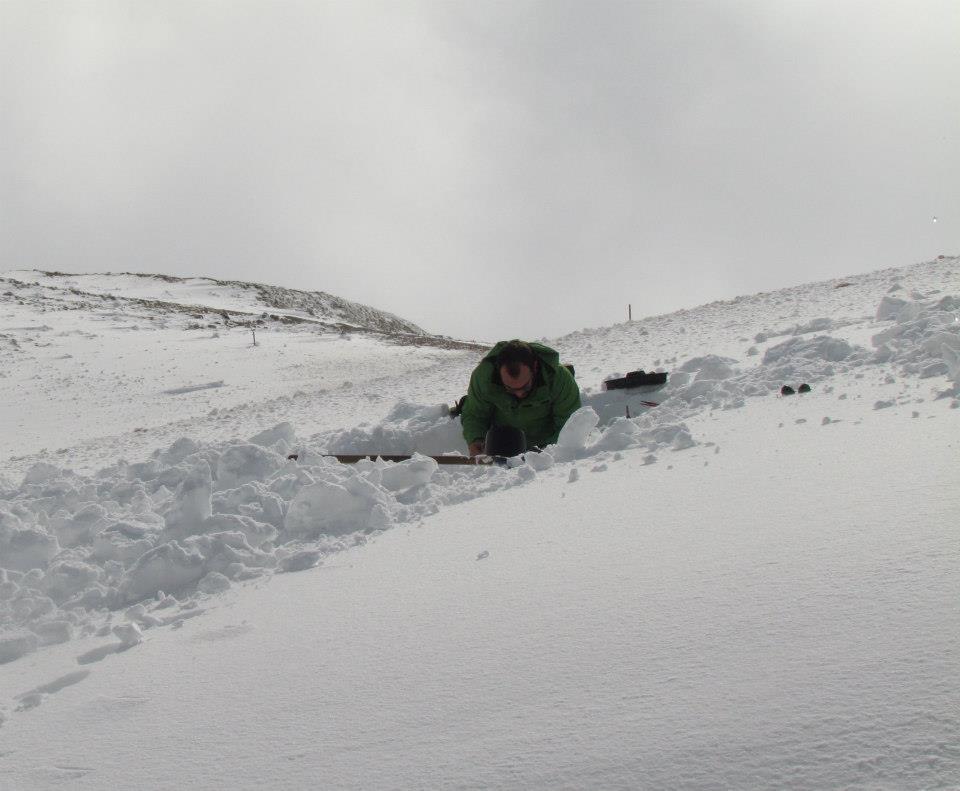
(540, 415)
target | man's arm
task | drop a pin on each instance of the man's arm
(477, 412)
(566, 401)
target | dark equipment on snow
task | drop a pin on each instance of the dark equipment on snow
(804, 388)
(505, 442)
(787, 390)
(636, 379)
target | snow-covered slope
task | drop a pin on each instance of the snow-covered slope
(731, 589)
(94, 367)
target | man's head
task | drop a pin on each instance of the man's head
(517, 365)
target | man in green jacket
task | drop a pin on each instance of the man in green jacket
(522, 385)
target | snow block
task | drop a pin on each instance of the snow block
(406, 474)
(168, 567)
(711, 368)
(325, 508)
(577, 430)
(256, 533)
(241, 464)
(124, 541)
(192, 499)
(822, 348)
(281, 432)
(29, 548)
(889, 308)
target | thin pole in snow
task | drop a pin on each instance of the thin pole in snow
(629, 312)
(254, 337)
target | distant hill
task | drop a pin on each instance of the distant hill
(239, 300)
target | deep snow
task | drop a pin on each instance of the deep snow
(731, 589)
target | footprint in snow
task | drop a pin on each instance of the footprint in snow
(483, 555)
(34, 697)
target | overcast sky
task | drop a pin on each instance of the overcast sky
(484, 169)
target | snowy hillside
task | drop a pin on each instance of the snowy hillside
(234, 299)
(732, 589)
(94, 367)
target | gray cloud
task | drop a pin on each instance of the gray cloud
(484, 169)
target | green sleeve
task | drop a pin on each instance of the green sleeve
(566, 401)
(477, 409)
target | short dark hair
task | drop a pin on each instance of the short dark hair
(515, 354)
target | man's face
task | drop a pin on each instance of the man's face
(519, 385)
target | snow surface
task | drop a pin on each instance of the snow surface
(732, 589)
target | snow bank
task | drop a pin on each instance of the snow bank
(924, 337)
(195, 518)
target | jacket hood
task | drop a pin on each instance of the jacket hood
(549, 358)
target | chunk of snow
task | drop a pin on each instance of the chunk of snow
(405, 474)
(192, 500)
(29, 548)
(241, 464)
(325, 508)
(168, 567)
(281, 432)
(214, 582)
(889, 307)
(711, 367)
(576, 432)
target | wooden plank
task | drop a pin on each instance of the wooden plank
(353, 458)
(474, 461)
